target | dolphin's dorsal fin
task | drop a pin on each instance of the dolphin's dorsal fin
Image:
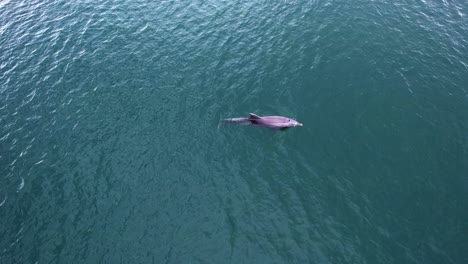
(253, 116)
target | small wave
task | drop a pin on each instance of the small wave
(3, 201)
(21, 185)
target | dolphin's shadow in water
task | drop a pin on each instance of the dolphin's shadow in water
(283, 129)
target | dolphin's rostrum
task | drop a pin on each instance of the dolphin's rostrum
(265, 121)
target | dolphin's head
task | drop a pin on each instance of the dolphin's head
(293, 123)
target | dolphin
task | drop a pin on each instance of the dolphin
(275, 122)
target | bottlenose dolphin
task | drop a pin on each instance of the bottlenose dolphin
(276, 122)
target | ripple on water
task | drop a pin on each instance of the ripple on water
(21, 185)
(3, 200)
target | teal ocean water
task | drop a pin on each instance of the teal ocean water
(110, 149)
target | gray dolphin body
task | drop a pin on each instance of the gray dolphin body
(275, 122)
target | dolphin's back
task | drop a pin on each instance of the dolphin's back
(275, 119)
(236, 120)
(264, 121)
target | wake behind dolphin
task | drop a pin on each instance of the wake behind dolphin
(275, 122)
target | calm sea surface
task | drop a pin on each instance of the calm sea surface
(110, 150)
